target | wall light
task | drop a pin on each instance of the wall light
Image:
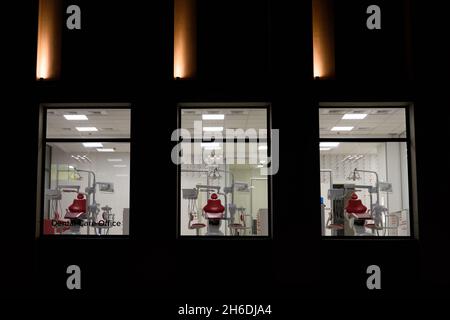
(184, 39)
(323, 39)
(49, 40)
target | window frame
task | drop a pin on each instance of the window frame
(408, 107)
(226, 105)
(42, 153)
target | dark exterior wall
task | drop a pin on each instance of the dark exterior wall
(263, 53)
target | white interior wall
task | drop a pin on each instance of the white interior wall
(260, 201)
(105, 172)
(382, 160)
(405, 227)
(404, 174)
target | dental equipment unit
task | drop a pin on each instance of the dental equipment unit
(84, 209)
(348, 215)
(214, 211)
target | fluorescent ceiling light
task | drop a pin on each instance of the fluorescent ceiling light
(329, 144)
(86, 129)
(75, 117)
(120, 166)
(212, 129)
(354, 116)
(213, 116)
(209, 144)
(105, 149)
(260, 166)
(262, 161)
(263, 147)
(342, 128)
(114, 160)
(92, 145)
(325, 149)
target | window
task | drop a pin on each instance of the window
(85, 170)
(364, 170)
(223, 183)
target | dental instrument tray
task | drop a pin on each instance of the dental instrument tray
(190, 194)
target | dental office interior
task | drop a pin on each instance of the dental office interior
(364, 170)
(227, 193)
(86, 172)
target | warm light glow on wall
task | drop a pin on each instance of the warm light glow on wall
(49, 39)
(323, 39)
(185, 38)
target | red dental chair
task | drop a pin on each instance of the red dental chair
(77, 210)
(214, 213)
(214, 210)
(357, 210)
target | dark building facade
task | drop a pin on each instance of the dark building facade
(245, 52)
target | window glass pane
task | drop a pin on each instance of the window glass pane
(87, 189)
(383, 122)
(88, 123)
(234, 171)
(375, 174)
(207, 122)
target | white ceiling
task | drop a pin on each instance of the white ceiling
(380, 122)
(235, 118)
(111, 123)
